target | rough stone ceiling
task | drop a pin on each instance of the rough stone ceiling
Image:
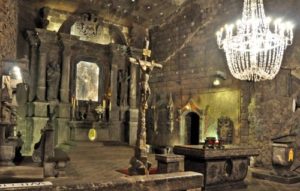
(143, 12)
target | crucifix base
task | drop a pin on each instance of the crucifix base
(139, 166)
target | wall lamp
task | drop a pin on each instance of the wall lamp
(218, 78)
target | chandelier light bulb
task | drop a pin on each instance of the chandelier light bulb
(254, 50)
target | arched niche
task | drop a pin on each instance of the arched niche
(191, 122)
(103, 75)
(87, 81)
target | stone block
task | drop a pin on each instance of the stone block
(132, 132)
(63, 130)
(168, 163)
(7, 154)
(37, 109)
(103, 135)
(38, 123)
(49, 169)
(64, 110)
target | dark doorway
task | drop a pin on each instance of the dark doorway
(193, 128)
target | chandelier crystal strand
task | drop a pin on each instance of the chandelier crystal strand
(253, 52)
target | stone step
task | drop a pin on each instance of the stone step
(11, 174)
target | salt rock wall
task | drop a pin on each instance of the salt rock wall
(8, 29)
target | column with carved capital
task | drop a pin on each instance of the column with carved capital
(38, 108)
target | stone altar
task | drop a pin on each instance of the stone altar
(222, 168)
(284, 161)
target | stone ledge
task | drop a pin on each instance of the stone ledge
(166, 182)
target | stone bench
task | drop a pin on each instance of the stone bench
(180, 181)
(168, 163)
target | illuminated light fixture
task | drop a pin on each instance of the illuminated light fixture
(216, 82)
(218, 78)
(16, 72)
(253, 50)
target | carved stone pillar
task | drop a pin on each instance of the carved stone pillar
(49, 42)
(34, 43)
(118, 58)
(132, 100)
(67, 42)
(41, 77)
(133, 111)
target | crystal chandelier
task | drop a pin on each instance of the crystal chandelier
(253, 49)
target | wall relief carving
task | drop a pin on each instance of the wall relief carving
(225, 129)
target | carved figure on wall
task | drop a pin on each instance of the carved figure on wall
(6, 100)
(53, 77)
(225, 129)
(87, 81)
(43, 20)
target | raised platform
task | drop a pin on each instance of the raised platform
(271, 176)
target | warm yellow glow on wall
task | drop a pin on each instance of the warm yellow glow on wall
(225, 103)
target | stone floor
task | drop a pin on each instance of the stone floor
(96, 162)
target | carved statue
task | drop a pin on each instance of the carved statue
(6, 100)
(43, 20)
(53, 77)
(145, 88)
(141, 148)
(225, 129)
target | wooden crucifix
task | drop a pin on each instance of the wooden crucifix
(139, 162)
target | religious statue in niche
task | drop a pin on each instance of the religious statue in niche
(225, 129)
(87, 81)
(53, 77)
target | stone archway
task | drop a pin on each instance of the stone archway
(190, 127)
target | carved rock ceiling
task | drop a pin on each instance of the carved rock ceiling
(143, 12)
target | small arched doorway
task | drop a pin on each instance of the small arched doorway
(192, 122)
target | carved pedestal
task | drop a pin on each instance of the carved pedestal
(283, 162)
(7, 154)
